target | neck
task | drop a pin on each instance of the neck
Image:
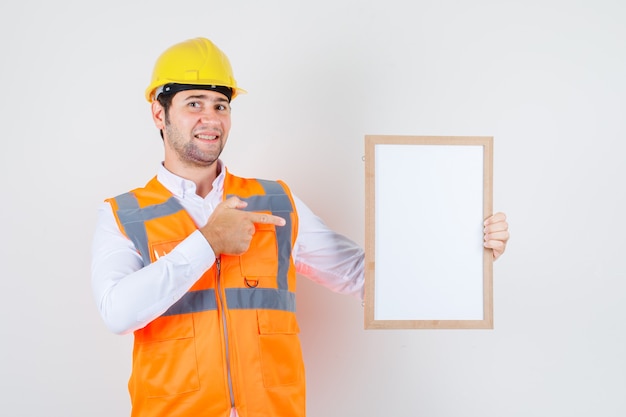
(203, 177)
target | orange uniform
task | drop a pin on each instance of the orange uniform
(232, 339)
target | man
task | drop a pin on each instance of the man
(201, 265)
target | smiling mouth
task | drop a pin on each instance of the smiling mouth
(206, 137)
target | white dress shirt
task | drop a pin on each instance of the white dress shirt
(129, 295)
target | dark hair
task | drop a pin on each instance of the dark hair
(165, 100)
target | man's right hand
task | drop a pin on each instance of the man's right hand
(229, 229)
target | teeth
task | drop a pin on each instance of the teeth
(206, 137)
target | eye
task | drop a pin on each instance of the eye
(194, 104)
(222, 107)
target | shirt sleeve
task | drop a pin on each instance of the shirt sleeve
(327, 257)
(130, 295)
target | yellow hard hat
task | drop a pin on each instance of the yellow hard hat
(195, 62)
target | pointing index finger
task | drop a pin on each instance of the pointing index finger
(264, 218)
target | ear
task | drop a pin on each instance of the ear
(158, 115)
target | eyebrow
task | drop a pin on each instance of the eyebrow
(206, 97)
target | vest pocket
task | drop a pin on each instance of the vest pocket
(279, 344)
(263, 260)
(165, 357)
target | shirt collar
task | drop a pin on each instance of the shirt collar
(184, 188)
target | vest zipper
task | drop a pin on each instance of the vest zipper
(222, 305)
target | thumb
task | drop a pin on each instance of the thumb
(234, 203)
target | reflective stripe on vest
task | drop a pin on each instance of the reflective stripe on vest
(237, 298)
(132, 218)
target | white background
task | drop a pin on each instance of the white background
(546, 79)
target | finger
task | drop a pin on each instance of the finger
(496, 227)
(264, 218)
(497, 253)
(497, 246)
(501, 236)
(498, 217)
(234, 203)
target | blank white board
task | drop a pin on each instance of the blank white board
(426, 200)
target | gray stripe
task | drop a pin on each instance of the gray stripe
(281, 206)
(193, 302)
(135, 230)
(273, 202)
(237, 299)
(133, 218)
(283, 236)
(129, 214)
(272, 187)
(127, 201)
(260, 298)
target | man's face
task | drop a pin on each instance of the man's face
(196, 127)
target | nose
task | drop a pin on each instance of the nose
(209, 116)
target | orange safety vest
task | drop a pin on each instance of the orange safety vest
(232, 339)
